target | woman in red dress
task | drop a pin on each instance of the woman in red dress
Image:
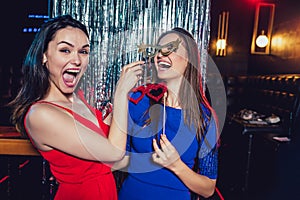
(67, 132)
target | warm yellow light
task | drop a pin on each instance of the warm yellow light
(262, 40)
(221, 44)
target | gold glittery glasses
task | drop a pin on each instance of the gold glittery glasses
(149, 50)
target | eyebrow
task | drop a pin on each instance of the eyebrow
(64, 42)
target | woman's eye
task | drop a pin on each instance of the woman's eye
(65, 50)
(84, 51)
(170, 47)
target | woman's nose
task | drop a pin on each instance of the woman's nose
(159, 54)
(76, 59)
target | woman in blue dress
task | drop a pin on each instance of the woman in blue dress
(171, 126)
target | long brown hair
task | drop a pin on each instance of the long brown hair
(191, 94)
(35, 74)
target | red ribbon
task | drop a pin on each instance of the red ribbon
(154, 91)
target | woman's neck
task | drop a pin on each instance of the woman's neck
(172, 99)
(69, 98)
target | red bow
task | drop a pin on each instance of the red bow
(154, 91)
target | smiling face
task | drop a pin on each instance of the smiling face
(67, 58)
(170, 67)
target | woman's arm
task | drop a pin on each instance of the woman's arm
(118, 129)
(52, 128)
(119, 165)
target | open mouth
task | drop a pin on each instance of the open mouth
(69, 76)
(164, 65)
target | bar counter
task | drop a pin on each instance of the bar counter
(11, 143)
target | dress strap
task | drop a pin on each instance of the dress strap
(57, 105)
(78, 117)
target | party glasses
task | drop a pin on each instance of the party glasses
(149, 50)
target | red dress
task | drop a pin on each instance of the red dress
(81, 179)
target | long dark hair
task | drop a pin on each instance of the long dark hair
(35, 74)
(191, 93)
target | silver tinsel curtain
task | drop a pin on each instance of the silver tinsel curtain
(117, 26)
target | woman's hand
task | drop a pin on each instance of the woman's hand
(167, 155)
(130, 75)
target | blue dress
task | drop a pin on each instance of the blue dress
(147, 180)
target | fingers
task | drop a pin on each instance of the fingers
(135, 69)
(133, 66)
(158, 152)
(130, 75)
(165, 143)
(167, 155)
(163, 154)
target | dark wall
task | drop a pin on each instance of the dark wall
(285, 44)
(241, 15)
(283, 58)
(14, 44)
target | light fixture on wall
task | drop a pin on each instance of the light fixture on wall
(262, 40)
(262, 30)
(222, 34)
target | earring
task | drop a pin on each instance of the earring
(45, 64)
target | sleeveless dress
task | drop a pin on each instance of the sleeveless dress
(147, 180)
(81, 179)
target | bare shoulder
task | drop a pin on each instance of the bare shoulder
(42, 121)
(42, 113)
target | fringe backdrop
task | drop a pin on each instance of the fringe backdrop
(116, 27)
